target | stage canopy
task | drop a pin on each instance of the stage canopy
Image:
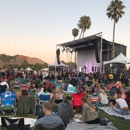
(119, 59)
(58, 65)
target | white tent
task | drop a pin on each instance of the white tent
(119, 59)
(45, 69)
(29, 69)
(58, 65)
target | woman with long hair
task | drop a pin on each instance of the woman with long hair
(89, 115)
(103, 97)
(119, 92)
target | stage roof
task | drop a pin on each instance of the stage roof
(87, 42)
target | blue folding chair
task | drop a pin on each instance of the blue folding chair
(8, 102)
(89, 83)
(112, 90)
(71, 89)
(44, 98)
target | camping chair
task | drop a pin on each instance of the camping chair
(48, 84)
(112, 90)
(12, 124)
(24, 87)
(58, 85)
(20, 80)
(76, 99)
(44, 98)
(89, 83)
(8, 102)
(16, 84)
(26, 105)
(71, 89)
(40, 127)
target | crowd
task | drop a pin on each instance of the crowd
(95, 88)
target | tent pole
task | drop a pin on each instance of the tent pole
(101, 55)
(55, 58)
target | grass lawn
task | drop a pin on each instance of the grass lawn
(120, 124)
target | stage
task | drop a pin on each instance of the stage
(91, 51)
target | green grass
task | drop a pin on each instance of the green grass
(120, 124)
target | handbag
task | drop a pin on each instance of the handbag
(103, 122)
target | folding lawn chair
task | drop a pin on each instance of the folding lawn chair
(44, 98)
(112, 90)
(26, 105)
(76, 99)
(71, 89)
(8, 102)
(24, 87)
(12, 124)
(16, 84)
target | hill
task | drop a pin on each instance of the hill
(18, 60)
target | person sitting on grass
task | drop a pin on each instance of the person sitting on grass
(103, 97)
(89, 115)
(48, 120)
(119, 92)
(121, 106)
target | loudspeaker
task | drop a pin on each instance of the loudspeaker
(92, 68)
(97, 52)
(58, 55)
(95, 69)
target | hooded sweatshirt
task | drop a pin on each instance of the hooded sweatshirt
(65, 111)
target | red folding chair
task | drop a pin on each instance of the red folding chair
(24, 87)
(76, 99)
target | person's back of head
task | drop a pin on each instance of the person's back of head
(68, 99)
(47, 107)
(24, 93)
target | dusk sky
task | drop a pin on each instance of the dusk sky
(34, 27)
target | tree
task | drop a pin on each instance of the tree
(75, 32)
(83, 24)
(115, 12)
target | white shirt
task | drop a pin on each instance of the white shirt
(4, 83)
(103, 98)
(122, 103)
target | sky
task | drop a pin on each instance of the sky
(34, 27)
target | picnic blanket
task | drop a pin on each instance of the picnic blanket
(78, 126)
(109, 111)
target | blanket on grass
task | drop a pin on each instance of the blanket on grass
(78, 126)
(109, 111)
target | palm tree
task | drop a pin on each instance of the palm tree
(115, 12)
(75, 32)
(83, 24)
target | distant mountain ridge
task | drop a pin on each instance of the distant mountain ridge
(18, 59)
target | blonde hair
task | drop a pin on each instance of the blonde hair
(57, 89)
(103, 92)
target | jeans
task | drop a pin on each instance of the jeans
(120, 111)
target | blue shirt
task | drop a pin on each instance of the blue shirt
(49, 121)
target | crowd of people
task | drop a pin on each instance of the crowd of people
(91, 85)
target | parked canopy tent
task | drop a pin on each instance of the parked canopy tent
(29, 69)
(58, 65)
(119, 59)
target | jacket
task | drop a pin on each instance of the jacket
(87, 114)
(65, 111)
(26, 105)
